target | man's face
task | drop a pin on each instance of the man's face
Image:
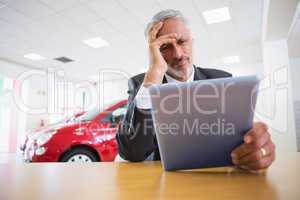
(178, 55)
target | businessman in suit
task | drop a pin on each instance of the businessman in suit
(171, 60)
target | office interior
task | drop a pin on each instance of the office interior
(63, 58)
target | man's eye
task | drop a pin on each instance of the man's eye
(181, 42)
(165, 47)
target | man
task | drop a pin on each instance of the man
(171, 60)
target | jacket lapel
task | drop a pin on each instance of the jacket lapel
(198, 75)
(164, 80)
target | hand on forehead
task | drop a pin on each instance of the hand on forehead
(174, 26)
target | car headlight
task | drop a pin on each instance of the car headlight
(44, 138)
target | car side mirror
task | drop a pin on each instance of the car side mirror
(118, 115)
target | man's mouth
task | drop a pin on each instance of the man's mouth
(181, 62)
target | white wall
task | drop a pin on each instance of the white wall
(115, 90)
(12, 120)
(243, 69)
(61, 98)
(295, 73)
(64, 98)
(37, 99)
(275, 101)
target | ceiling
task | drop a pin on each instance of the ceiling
(55, 28)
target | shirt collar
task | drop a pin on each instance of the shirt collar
(173, 80)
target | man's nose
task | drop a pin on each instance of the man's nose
(177, 51)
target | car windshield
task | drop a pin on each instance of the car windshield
(90, 115)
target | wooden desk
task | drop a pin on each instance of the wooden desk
(147, 180)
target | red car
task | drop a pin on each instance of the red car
(60, 123)
(87, 138)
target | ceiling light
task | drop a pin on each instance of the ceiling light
(34, 56)
(216, 15)
(96, 42)
(231, 59)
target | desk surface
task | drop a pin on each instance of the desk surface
(147, 180)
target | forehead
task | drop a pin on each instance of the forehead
(174, 25)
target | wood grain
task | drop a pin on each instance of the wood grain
(147, 180)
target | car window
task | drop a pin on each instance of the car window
(107, 118)
(89, 115)
(120, 111)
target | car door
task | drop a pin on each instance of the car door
(107, 129)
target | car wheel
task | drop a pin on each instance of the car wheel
(80, 155)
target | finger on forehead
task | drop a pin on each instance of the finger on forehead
(165, 41)
(157, 25)
(154, 30)
(170, 35)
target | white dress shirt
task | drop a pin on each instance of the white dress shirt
(142, 98)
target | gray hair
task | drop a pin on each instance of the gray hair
(162, 16)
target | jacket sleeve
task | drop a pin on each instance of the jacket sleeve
(136, 136)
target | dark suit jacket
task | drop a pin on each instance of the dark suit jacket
(136, 136)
